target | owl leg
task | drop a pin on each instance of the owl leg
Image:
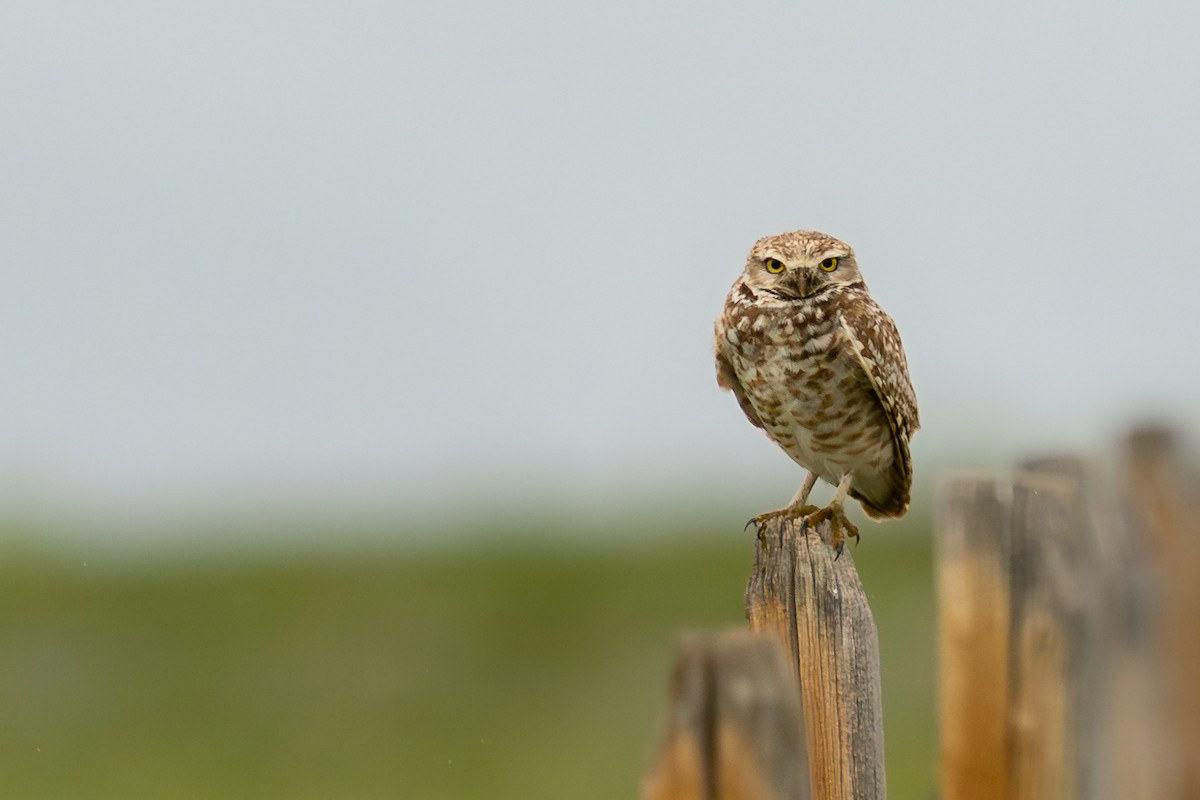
(802, 495)
(795, 509)
(835, 512)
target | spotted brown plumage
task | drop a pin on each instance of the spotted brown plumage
(816, 363)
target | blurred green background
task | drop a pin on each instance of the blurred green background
(516, 660)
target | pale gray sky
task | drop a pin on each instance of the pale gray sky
(401, 250)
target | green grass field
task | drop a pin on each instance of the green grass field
(486, 670)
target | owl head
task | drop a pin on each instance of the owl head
(799, 264)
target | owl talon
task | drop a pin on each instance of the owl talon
(840, 528)
(801, 513)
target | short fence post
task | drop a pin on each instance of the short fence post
(735, 730)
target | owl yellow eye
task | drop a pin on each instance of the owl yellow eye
(774, 266)
(829, 264)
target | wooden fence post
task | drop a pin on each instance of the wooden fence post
(1164, 511)
(815, 603)
(1051, 596)
(1015, 597)
(974, 546)
(735, 729)
(1093, 575)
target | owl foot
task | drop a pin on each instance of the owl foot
(799, 512)
(840, 527)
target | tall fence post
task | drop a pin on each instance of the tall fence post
(1067, 627)
(1164, 516)
(815, 603)
(974, 546)
(1012, 598)
(1050, 600)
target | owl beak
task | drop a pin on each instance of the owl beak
(801, 283)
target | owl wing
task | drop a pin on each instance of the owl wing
(875, 342)
(727, 378)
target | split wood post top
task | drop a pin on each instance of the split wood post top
(814, 601)
(734, 726)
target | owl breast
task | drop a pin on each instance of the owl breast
(801, 378)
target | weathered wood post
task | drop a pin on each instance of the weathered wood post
(814, 602)
(974, 609)
(734, 730)
(1051, 596)
(1015, 597)
(1163, 502)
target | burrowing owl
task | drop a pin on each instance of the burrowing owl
(818, 365)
